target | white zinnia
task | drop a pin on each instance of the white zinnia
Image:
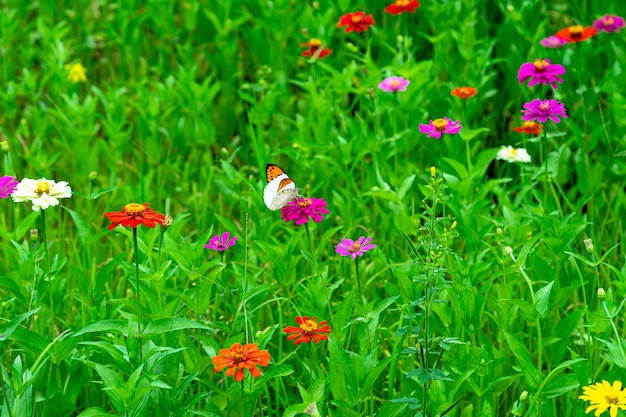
(510, 154)
(42, 193)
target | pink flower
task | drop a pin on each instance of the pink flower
(348, 247)
(393, 84)
(541, 72)
(7, 186)
(542, 110)
(609, 23)
(552, 42)
(435, 128)
(221, 244)
(301, 209)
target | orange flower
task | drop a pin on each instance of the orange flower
(312, 46)
(576, 33)
(308, 329)
(355, 22)
(529, 127)
(133, 215)
(240, 357)
(464, 92)
(401, 6)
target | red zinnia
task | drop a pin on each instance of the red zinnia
(312, 46)
(308, 329)
(529, 127)
(356, 22)
(133, 215)
(401, 6)
(576, 33)
(464, 92)
(238, 358)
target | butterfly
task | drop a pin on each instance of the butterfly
(280, 189)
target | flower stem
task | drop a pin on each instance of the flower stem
(358, 279)
(617, 336)
(45, 246)
(308, 235)
(138, 293)
(544, 146)
(43, 232)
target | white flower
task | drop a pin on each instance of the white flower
(311, 410)
(510, 154)
(42, 193)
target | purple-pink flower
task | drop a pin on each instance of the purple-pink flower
(436, 127)
(393, 84)
(609, 23)
(541, 72)
(541, 110)
(222, 243)
(552, 42)
(348, 247)
(7, 186)
(302, 209)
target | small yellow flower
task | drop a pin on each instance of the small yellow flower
(604, 396)
(76, 73)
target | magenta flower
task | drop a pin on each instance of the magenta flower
(553, 42)
(393, 84)
(541, 72)
(435, 128)
(348, 247)
(542, 110)
(222, 243)
(301, 209)
(7, 186)
(609, 23)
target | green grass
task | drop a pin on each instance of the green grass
(184, 105)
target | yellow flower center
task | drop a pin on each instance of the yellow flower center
(545, 105)
(541, 65)
(394, 83)
(314, 42)
(576, 31)
(43, 187)
(354, 248)
(440, 124)
(608, 21)
(529, 125)
(402, 3)
(237, 354)
(612, 399)
(308, 326)
(304, 202)
(134, 209)
(513, 151)
(356, 18)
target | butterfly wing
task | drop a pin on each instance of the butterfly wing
(280, 189)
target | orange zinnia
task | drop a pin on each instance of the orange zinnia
(355, 22)
(529, 127)
(401, 6)
(464, 92)
(576, 33)
(133, 215)
(313, 46)
(308, 329)
(239, 357)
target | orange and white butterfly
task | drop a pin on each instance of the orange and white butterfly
(280, 189)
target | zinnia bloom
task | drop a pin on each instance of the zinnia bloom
(221, 244)
(542, 110)
(238, 358)
(133, 215)
(552, 42)
(308, 329)
(609, 23)
(348, 247)
(529, 127)
(576, 33)
(42, 193)
(393, 84)
(510, 154)
(435, 128)
(301, 209)
(541, 72)
(355, 22)
(464, 92)
(7, 186)
(604, 396)
(76, 73)
(401, 6)
(314, 45)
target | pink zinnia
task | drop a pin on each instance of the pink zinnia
(552, 42)
(393, 84)
(301, 209)
(435, 128)
(541, 72)
(7, 186)
(348, 247)
(221, 244)
(609, 23)
(542, 110)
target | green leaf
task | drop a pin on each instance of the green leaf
(542, 299)
(532, 375)
(81, 225)
(7, 330)
(171, 325)
(109, 326)
(95, 412)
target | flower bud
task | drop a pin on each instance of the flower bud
(34, 235)
(588, 244)
(93, 175)
(453, 225)
(499, 231)
(601, 294)
(508, 250)
(4, 146)
(167, 222)
(523, 396)
(433, 172)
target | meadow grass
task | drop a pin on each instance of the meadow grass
(494, 288)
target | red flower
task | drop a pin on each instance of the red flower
(576, 33)
(355, 22)
(133, 215)
(308, 329)
(312, 46)
(464, 92)
(529, 127)
(239, 358)
(401, 6)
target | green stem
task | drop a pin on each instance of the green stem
(43, 232)
(6, 394)
(358, 279)
(617, 336)
(308, 235)
(544, 155)
(138, 293)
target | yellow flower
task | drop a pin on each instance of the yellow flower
(76, 73)
(604, 396)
